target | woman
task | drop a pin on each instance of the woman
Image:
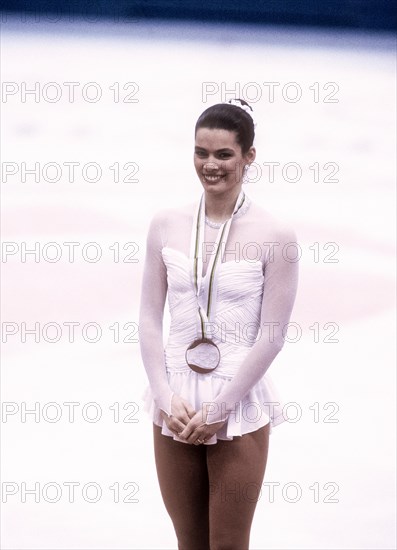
(231, 289)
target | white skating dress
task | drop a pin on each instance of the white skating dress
(254, 300)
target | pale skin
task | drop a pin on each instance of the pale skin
(216, 153)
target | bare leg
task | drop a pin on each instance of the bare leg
(236, 470)
(183, 479)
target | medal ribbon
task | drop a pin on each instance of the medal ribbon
(205, 314)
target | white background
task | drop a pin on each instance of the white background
(171, 64)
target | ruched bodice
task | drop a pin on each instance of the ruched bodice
(238, 308)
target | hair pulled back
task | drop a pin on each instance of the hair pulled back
(226, 116)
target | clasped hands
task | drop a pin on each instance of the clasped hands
(188, 424)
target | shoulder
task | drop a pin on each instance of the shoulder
(169, 216)
(274, 227)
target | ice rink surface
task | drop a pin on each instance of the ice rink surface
(138, 90)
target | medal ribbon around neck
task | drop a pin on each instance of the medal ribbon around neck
(206, 314)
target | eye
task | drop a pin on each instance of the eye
(225, 155)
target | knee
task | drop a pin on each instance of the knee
(192, 535)
(191, 540)
(229, 541)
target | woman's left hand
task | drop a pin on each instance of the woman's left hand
(197, 431)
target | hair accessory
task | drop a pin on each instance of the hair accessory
(243, 105)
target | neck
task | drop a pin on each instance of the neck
(220, 207)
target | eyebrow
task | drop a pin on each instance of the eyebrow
(226, 149)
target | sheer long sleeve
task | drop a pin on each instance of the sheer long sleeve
(153, 296)
(280, 287)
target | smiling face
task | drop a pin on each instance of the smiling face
(219, 161)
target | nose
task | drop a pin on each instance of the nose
(211, 166)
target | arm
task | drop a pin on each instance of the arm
(153, 295)
(280, 287)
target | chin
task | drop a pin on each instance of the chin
(221, 184)
(214, 187)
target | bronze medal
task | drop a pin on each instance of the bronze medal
(203, 355)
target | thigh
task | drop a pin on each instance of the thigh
(183, 479)
(236, 470)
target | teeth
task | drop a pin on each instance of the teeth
(212, 178)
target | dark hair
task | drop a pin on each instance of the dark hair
(226, 116)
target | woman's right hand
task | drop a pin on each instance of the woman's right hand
(181, 413)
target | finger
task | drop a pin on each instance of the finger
(173, 423)
(187, 433)
(200, 434)
(178, 426)
(184, 417)
(190, 411)
(182, 413)
(195, 437)
(196, 440)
